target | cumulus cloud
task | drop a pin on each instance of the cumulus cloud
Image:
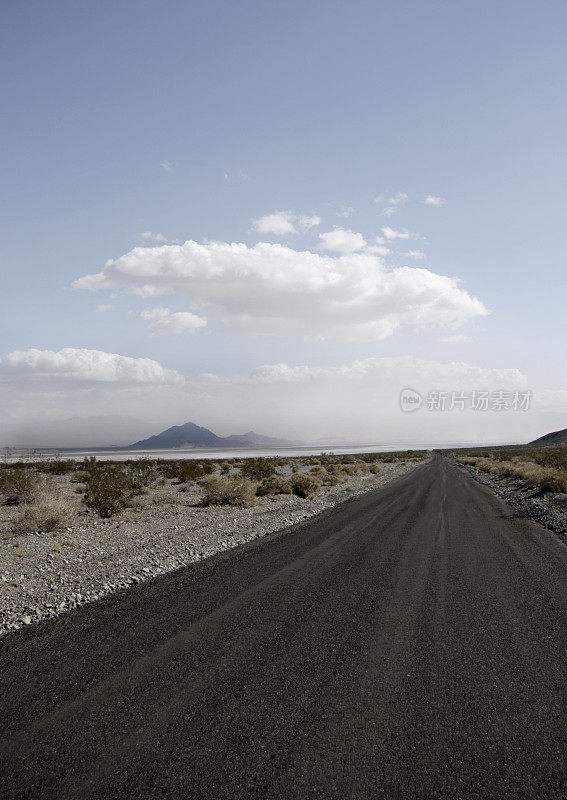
(378, 250)
(309, 222)
(102, 307)
(422, 372)
(417, 255)
(269, 288)
(83, 365)
(390, 203)
(433, 200)
(282, 222)
(278, 223)
(155, 237)
(163, 321)
(167, 166)
(340, 240)
(390, 234)
(391, 200)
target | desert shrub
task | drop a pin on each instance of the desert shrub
(89, 463)
(50, 511)
(225, 468)
(185, 471)
(56, 467)
(553, 481)
(374, 469)
(303, 485)
(275, 484)
(229, 491)
(141, 474)
(107, 489)
(18, 485)
(257, 468)
(349, 469)
(318, 472)
(518, 467)
(80, 476)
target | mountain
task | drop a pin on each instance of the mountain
(557, 437)
(191, 435)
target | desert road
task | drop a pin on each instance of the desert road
(410, 643)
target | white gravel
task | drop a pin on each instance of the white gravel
(45, 574)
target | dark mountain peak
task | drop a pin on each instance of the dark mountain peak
(556, 437)
(187, 435)
(191, 435)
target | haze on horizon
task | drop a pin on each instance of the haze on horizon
(258, 217)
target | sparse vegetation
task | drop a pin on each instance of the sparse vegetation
(63, 467)
(141, 474)
(229, 491)
(275, 484)
(543, 467)
(186, 471)
(303, 485)
(49, 511)
(107, 489)
(258, 468)
(18, 484)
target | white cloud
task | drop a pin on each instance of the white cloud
(278, 223)
(163, 321)
(310, 222)
(432, 200)
(103, 307)
(355, 401)
(344, 211)
(390, 203)
(270, 288)
(458, 337)
(378, 250)
(82, 365)
(392, 200)
(340, 240)
(424, 373)
(154, 237)
(418, 255)
(167, 166)
(391, 235)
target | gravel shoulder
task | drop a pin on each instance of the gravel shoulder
(45, 574)
(549, 509)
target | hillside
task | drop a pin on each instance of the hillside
(556, 437)
(191, 435)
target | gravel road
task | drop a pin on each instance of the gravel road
(409, 643)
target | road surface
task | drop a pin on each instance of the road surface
(410, 643)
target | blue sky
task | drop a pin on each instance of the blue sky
(193, 120)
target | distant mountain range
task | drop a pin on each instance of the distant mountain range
(193, 436)
(556, 437)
